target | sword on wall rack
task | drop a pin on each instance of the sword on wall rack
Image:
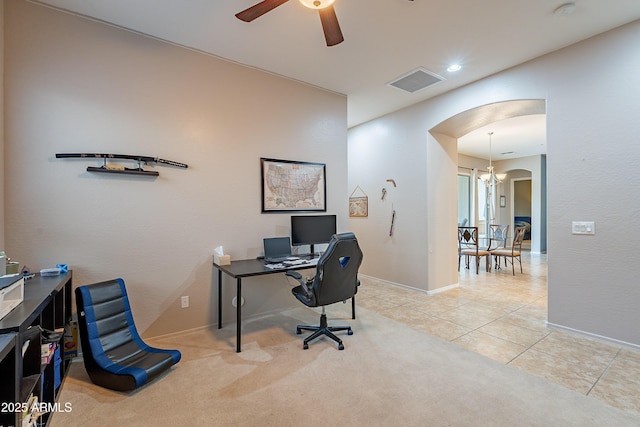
(111, 168)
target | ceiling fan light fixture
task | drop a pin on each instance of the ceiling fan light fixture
(328, 18)
(317, 4)
(565, 9)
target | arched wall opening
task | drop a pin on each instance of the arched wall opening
(448, 131)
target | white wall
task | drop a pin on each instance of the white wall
(74, 85)
(442, 211)
(591, 94)
(376, 154)
(592, 176)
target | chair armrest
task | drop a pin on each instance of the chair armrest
(295, 275)
(305, 284)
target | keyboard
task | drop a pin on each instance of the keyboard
(281, 258)
(303, 262)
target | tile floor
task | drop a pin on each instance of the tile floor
(503, 317)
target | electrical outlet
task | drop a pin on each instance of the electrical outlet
(184, 301)
(583, 227)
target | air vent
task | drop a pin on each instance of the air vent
(416, 80)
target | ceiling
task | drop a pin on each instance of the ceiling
(384, 39)
(512, 138)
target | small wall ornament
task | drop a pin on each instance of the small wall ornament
(393, 211)
(358, 204)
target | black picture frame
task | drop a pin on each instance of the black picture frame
(292, 186)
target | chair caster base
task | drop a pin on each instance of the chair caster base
(325, 330)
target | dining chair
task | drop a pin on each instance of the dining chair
(498, 234)
(468, 247)
(513, 253)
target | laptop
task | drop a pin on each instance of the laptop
(277, 249)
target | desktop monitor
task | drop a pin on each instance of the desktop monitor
(312, 229)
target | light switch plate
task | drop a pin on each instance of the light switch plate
(583, 227)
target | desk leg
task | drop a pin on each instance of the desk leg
(238, 314)
(219, 299)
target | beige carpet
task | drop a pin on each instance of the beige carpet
(388, 375)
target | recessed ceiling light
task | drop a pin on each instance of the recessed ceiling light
(454, 67)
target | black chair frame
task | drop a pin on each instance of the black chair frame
(335, 281)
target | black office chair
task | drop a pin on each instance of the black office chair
(336, 280)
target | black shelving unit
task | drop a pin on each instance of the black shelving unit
(8, 370)
(46, 304)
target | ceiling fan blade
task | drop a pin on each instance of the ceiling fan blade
(257, 10)
(330, 25)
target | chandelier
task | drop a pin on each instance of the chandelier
(492, 178)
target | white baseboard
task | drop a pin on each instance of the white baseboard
(443, 289)
(596, 337)
(400, 285)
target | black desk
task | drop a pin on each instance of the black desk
(247, 268)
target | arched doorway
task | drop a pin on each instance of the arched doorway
(480, 117)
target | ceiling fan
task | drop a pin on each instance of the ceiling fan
(328, 18)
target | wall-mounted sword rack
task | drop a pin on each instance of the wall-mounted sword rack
(114, 168)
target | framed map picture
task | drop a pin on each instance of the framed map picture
(291, 186)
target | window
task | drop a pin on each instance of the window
(464, 200)
(483, 223)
